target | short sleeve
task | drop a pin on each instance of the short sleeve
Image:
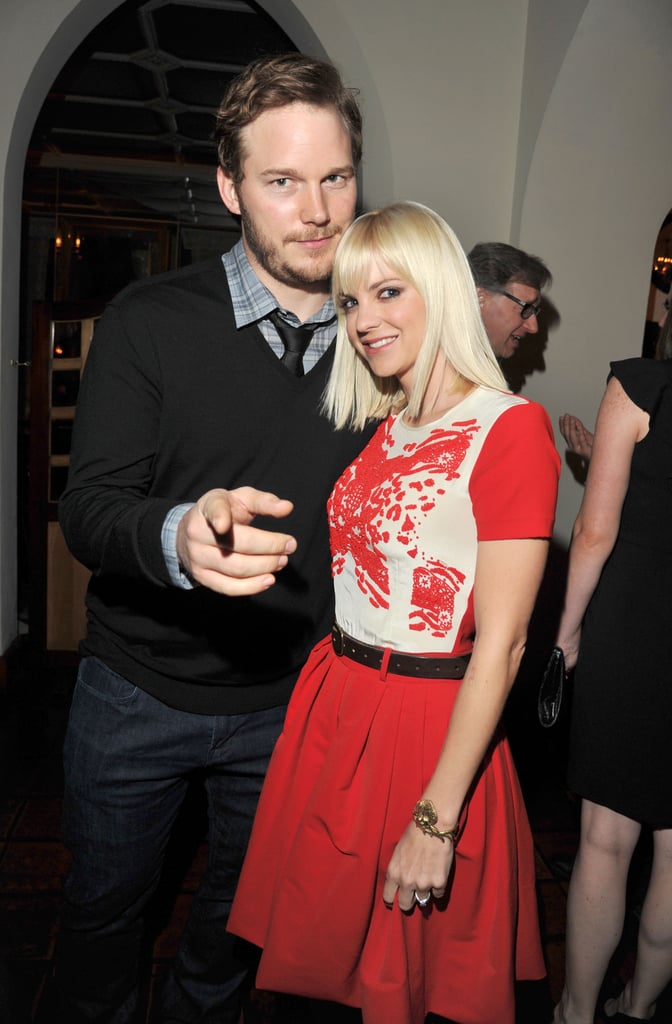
(514, 484)
(644, 381)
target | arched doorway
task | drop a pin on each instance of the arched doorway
(90, 155)
(37, 44)
(660, 291)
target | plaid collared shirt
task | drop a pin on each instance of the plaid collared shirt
(252, 303)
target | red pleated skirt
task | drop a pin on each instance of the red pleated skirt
(355, 754)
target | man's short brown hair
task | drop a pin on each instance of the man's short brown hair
(276, 81)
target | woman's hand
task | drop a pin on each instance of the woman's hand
(420, 864)
(577, 436)
(570, 648)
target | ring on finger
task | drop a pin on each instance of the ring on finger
(422, 901)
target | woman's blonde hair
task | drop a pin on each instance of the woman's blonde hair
(419, 247)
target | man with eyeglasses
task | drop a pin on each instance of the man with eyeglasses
(509, 283)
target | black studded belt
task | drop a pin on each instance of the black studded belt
(420, 665)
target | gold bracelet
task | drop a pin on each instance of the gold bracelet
(425, 818)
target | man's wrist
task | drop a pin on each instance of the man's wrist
(179, 577)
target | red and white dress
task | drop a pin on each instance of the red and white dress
(359, 746)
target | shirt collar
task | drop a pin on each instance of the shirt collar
(252, 301)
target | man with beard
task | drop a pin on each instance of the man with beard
(509, 283)
(196, 439)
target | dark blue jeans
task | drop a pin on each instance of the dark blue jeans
(128, 759)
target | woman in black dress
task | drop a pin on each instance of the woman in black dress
(615, 627)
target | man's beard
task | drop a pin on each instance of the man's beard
(270, 260)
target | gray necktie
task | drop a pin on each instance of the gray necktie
(295, 340)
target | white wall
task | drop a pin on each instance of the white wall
(598, 190)
(447, 76)
(524, 120)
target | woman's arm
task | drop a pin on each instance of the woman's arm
(620, 425)
(508, 574)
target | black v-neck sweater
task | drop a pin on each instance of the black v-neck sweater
(175, 401)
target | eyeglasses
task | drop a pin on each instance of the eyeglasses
(527, 309)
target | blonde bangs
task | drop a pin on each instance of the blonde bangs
(359, 246)
(418, 246)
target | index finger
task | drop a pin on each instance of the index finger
(253, 540)
(229, 513)
(222, 508)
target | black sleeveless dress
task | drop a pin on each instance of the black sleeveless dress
(621, 728)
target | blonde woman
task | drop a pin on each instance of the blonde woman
(391, 863)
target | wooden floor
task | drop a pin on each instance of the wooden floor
(33, 861)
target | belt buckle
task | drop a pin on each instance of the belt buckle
(338, 640)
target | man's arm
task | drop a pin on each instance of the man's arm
(111, 515)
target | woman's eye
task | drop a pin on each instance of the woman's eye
(347, 302)
(389, 293)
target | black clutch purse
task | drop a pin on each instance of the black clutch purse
(549, 700)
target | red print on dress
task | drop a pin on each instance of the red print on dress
(383, 496)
